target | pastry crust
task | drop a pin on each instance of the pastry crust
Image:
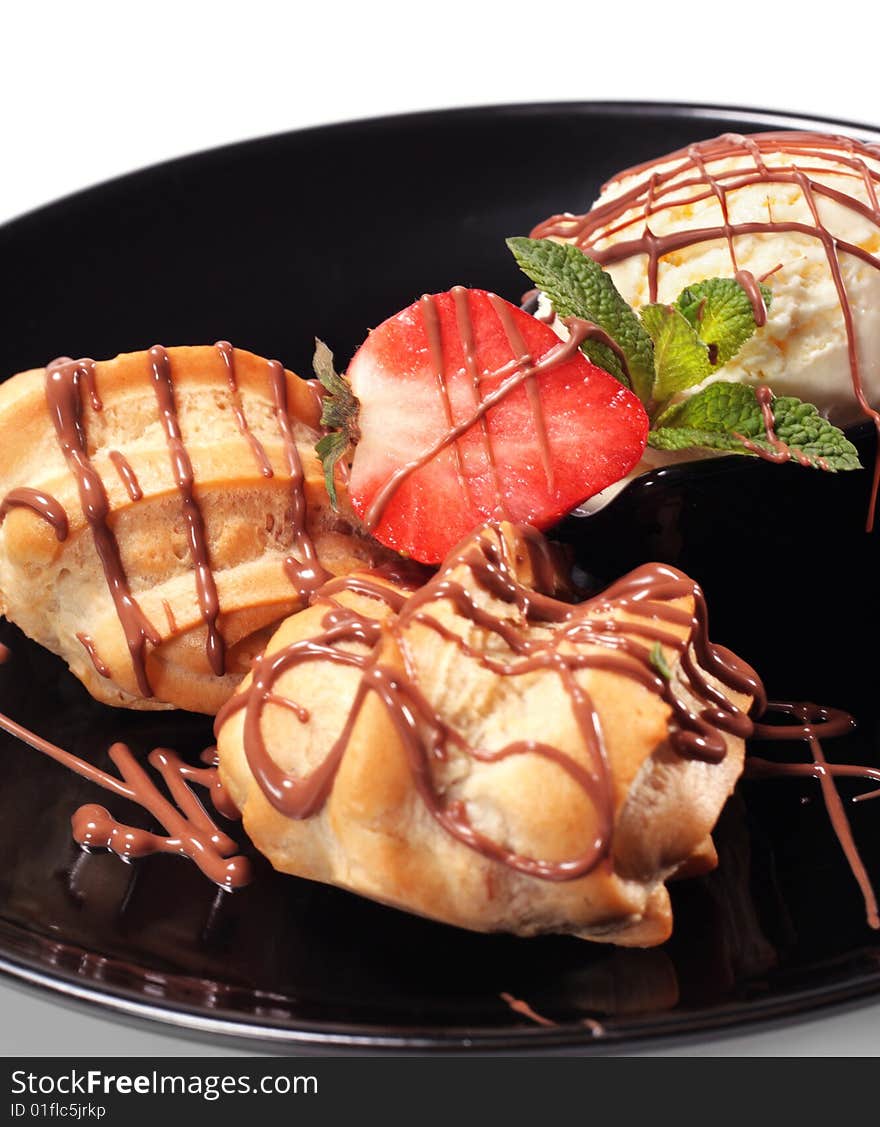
(377, 835)
(57, 589)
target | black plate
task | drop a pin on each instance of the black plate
(327, 232)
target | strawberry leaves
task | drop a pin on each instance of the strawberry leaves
(338, 416)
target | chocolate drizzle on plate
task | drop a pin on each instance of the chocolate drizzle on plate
(815, 722)
(688, 176)
(524, 1009)
(189, 829)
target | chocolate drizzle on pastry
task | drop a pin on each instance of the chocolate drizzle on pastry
(65, 381)
(625, 645)
(38, 502)
(302, 567)
(702, 713)
(88, 644)
(620, 646)
(69, 385)
(227, 353)
(126, 475)
(209, 602)
(687, 176)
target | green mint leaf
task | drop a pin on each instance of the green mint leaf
(681, 359)
(338, 415)
(720, 416)
(720, 312)
(692, 438)
(658, 660)
(801, 427)
(723, 406)
(579, 287)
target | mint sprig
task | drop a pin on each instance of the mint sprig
(724, 414)
(721, 314)
(681, 359)
(671, 349)
(668, 348)
(579, 287)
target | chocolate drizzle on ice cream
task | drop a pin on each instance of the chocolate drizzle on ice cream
(619, 227)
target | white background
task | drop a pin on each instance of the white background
(88, 91)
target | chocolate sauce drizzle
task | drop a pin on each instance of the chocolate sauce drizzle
(227, 354)
(189, 829)
(65, 381)
(815, 722)
(690, 179)
(88, 644)
(126, 475)
(621, 646)
(209, 602)
(518, 1006)
(523, 1009)
(43, 504)
(303, 567)
(779, 451)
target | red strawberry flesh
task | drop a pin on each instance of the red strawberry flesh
(550, 441)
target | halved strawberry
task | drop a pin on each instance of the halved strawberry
(469, 409)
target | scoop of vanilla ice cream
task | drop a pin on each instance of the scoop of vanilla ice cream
(803, 349)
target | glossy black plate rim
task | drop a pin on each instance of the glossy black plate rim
(234, 1027)
(690, 110)
(237, 1029)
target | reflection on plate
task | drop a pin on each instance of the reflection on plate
(245, 243)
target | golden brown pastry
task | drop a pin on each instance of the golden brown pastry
(481, 753)
(162, 512)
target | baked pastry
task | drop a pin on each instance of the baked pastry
(482, 753)
(162, 512)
